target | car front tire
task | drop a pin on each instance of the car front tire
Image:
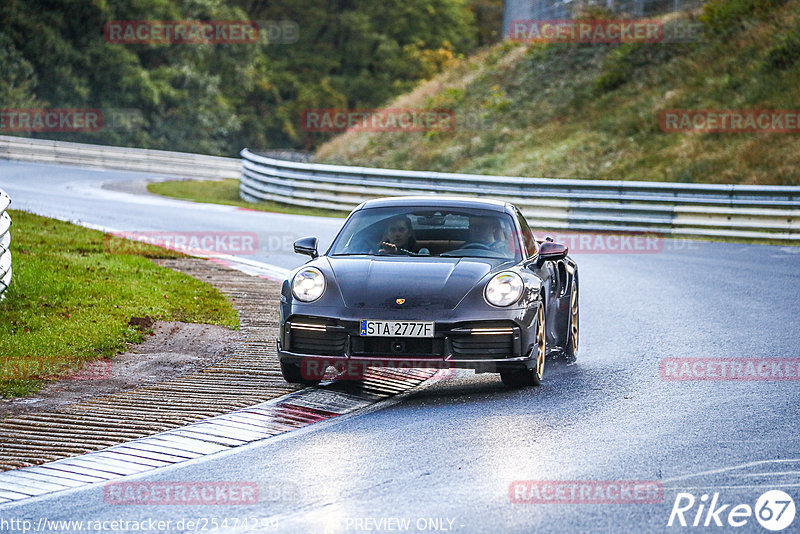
(530, 377)
(292, 374)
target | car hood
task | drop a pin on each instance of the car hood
(432, 283)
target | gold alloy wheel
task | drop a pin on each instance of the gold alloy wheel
(541, 344)
(523, 376)
(575, 323)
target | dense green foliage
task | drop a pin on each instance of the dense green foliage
(218, 98)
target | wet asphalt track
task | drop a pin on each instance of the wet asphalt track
(444, 456)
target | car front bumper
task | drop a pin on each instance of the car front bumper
(485, 346)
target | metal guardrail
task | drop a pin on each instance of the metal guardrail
(670, 209)
(675, 209)
(113, 157)
(5, 244)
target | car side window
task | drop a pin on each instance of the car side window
(531, 246)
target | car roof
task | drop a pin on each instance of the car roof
(438, 201)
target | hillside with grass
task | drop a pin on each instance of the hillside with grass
(592, 110)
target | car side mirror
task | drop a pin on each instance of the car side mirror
(307, 246)
(550, 251)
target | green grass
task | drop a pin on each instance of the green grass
(227, 192)
(591, 111)
(70, 300)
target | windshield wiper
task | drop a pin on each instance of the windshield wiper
(467, 254)
(401, 252)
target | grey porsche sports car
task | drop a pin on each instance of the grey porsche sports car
(441, 281)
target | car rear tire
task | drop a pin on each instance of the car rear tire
(530, 377)
(571, 350)
(292, 374)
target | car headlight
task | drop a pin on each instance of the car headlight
(308, 284)
(504, 289)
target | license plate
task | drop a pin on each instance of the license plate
(397, 328)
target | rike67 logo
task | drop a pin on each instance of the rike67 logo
(774, 510)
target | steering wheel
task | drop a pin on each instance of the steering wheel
(477, 245)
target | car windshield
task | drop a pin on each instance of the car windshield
(426, 232)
